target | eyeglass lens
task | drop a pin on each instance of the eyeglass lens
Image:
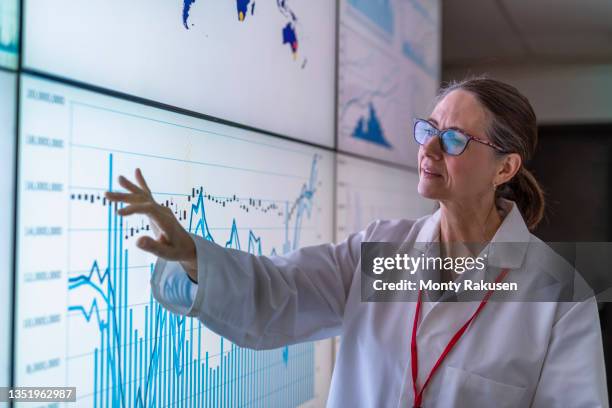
(452, 141)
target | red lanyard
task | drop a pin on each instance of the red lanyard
(418, 395)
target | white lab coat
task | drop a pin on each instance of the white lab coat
(515, 354)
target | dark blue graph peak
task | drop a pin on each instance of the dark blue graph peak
(161, 362)
(370, 129)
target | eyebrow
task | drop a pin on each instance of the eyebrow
(435, 122)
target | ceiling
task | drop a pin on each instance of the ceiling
(517, 31)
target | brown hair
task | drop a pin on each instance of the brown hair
(513, 127)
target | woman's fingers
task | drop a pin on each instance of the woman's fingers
(172, 241)
(129, 198)
(128, 185)
(155, 247)
(147, 208)
(136, 194)
(162, 219)
(141, 181)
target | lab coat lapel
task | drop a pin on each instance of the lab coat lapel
(441, 319)
(425, 241)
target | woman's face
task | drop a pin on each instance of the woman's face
(462, 178)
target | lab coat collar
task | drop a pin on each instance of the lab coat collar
(513, 232)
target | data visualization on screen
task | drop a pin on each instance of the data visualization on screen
(85, 314)
(265, 64)
(367, 191)
(7, 166)
(389, 70)
(9, 33)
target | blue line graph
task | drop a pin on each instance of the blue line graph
(302, 205)
(422, 11)
(417, 54)
(419, 36)
(9, 33)
(387, 76)
(9, 48)
(379, 12)
(163, 363)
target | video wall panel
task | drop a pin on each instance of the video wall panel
(388, 74)
(269, 65)
(367, 191)
(8, 84)
(107, 86)
(87, 292)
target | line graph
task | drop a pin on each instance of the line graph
(9, 33)
(198, 224)
(381, 192)
(385, 81)
(144, 383)
(107, 335)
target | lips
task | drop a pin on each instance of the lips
(427, 171)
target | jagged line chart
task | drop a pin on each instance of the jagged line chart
(165, 362)
(198, 224)
(87, 290)
(9, 33)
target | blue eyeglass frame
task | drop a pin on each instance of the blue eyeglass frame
(439, 133)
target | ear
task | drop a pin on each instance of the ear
(508, 166)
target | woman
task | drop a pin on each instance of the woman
(513, 354)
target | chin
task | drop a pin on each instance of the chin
(429, 192)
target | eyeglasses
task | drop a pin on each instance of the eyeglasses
(452, 141)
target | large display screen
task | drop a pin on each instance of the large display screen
(268, 65)
(85, 314)
(8, 82)
(367, 191)
(389, 73)
(9, 33)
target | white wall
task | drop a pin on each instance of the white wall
(559, 93)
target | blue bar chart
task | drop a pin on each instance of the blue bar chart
(106, 334)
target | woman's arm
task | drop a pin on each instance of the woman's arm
(263, 302)
(254, 301)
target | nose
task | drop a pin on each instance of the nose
(431, 148)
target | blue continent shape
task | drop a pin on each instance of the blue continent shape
(186, 7)
(289, 37)
(242, 7)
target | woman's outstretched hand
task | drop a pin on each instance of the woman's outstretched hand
(171, 241)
